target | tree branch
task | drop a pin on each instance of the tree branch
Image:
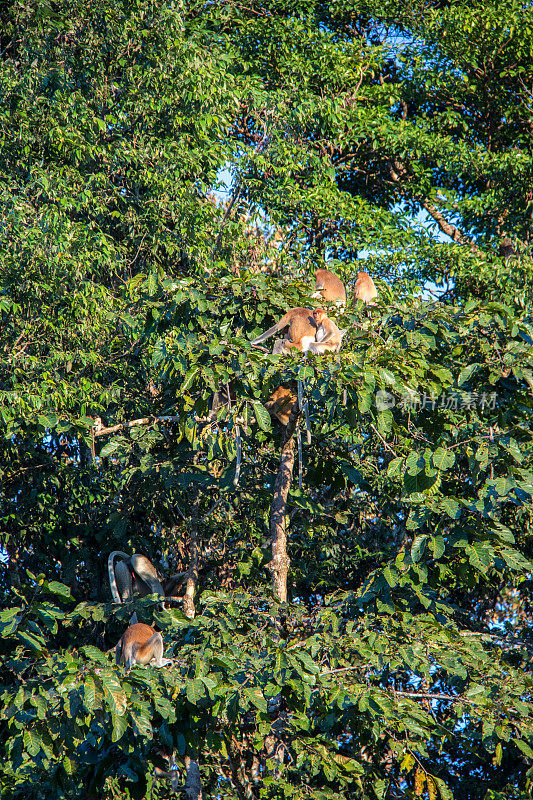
(397, 172)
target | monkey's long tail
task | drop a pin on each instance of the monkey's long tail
(270, 332)
(111, 572)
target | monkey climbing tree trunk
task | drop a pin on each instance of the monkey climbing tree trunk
(279, 566)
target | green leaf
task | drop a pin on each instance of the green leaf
(262, 416)
(189, 378)
(391, 576)
(195, 690)
(443, 459)
(418, 547)
(451, 507)
(395, 467)
(142, 724)
(31, 641)
(89, 693)
(114, 694)
(438, 546)
(58, 588)
(110, 447)
(467, 373)
(255, 697)
(151, 283)
(524, 747)
(415, 463)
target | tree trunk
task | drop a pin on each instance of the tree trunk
(192, 576)
(193, 783)
(279, 566)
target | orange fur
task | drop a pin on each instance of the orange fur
(139, 644)
(365, 289)
(329, 287)
(328, 336)
(300, 328)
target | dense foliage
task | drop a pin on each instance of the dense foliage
(171, 175)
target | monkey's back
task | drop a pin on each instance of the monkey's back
(330, 286)
(365, 289)
(138, 632)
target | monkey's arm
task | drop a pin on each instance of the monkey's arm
(325, 337)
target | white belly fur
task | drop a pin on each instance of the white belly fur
(305, 341)
(320, 334)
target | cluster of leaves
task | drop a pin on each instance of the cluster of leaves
(345, 689)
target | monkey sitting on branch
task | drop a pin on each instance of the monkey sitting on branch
(328, 336)
(281, 402)
(330, 288)
(140, 644)
(136, 575)
(365, 289)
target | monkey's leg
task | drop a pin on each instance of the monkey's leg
(172, 584)
(279, 347)
(153, 649)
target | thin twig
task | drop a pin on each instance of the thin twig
(383, 440)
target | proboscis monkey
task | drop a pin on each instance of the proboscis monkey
(328, 336)
(280, 403)
(329, 287)
(365, 289)
(136, 575)
(300, 330)
(139, 644)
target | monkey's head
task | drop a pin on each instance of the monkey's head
(319, 315)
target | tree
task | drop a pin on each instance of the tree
(395, 139)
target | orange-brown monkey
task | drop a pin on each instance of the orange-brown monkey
(280, 403)
(139, 644)
(328, 336)
(329, 287)
(300, 329)
(365, 289)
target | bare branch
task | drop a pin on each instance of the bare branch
(134, 423)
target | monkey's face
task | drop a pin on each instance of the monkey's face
(318, 315)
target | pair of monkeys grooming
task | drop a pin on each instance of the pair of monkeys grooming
(313, 331)
(306, 330)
